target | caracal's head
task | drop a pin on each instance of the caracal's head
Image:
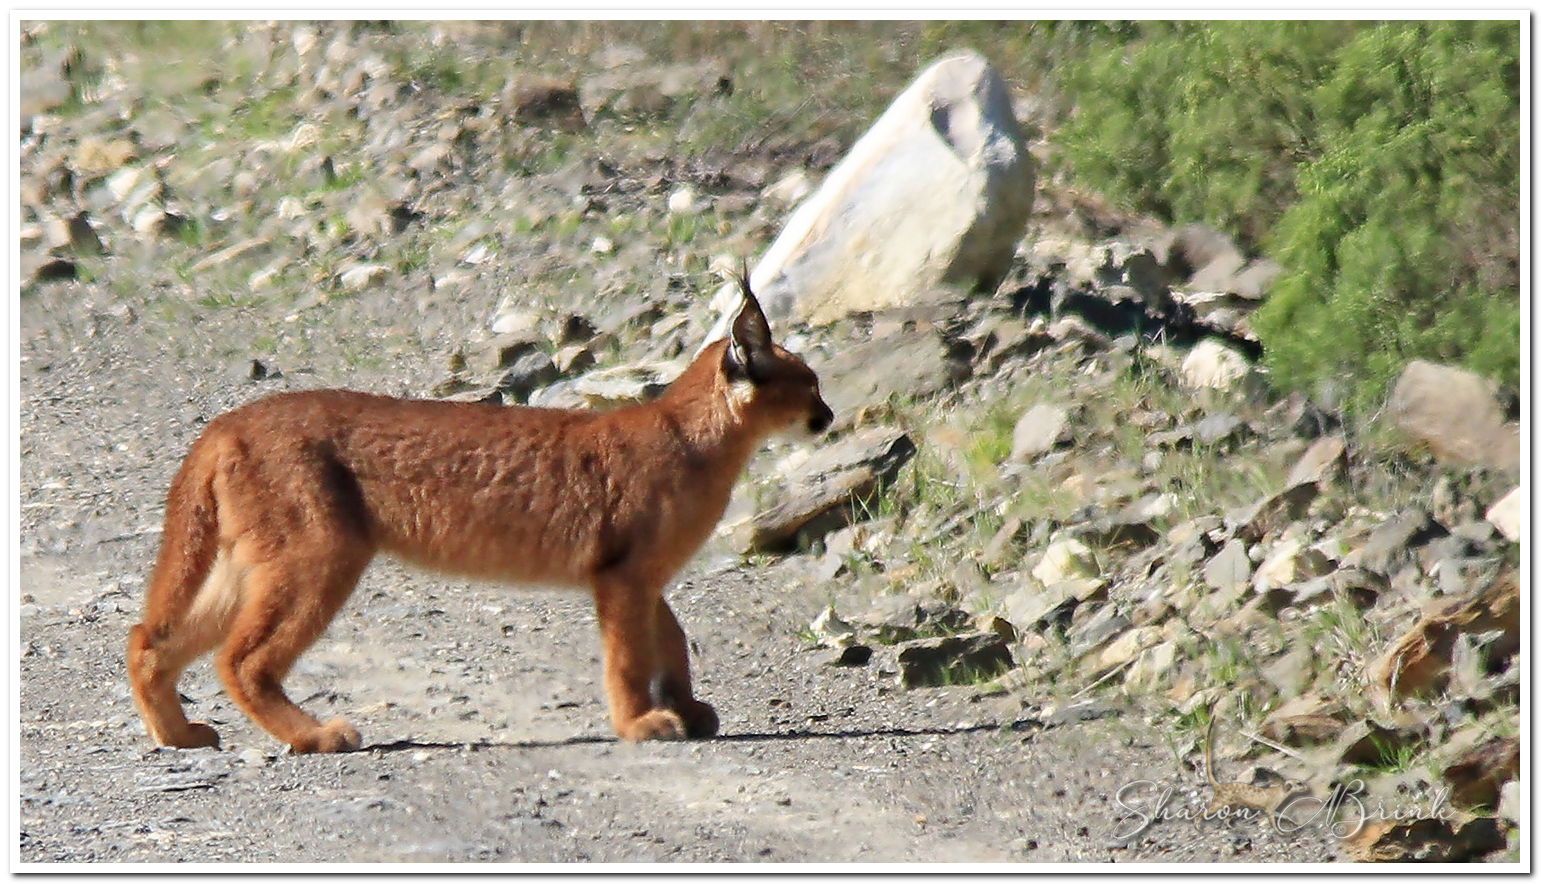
(773, 388)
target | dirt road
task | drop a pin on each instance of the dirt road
(485, 729)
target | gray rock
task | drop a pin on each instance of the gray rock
(829, 629)
(1230, 567)
(1455, 413)
(1104, 626)
(895, 618)
(1038, 430)
(952, 659)
(1323, 461)
(528, 373)
(914, 364)
(363, 276)
(828, 489)
(1031, 605)
(1272, 513)
(1217, 428)
(625, 384)
(1394, 540)
(1087, 710)
(935, 194)
(635, 90)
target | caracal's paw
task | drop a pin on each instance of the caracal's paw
(655, 724)
(197, 736)
(335, 736)
(700, 718)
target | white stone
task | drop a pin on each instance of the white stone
(1065, 559)
(1038, 430)
(363, 276)
(603, 245)
(1508, 514)
(791, 189)
(1213, 364)
(1123, 648)
(684, 201)
(937, 193)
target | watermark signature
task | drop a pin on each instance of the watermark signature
(1344, 812)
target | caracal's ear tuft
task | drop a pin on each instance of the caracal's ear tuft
(749, 339)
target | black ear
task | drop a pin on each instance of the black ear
(749, 340)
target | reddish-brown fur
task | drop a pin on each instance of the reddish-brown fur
(281, 504)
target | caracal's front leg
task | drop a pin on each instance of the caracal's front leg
(674, 660)
(627, 611)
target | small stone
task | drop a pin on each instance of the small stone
(1230, 567)
(1215, 365)
(602, 245)
(532, 370)
(363, 276)
(1126, 646)
(685, 201)
(573, 357)
(1508, 515)
(1218, 428)
(1065, 559)
(831, 630)
(1031, 605)
(1321, 462)
(1038, 430)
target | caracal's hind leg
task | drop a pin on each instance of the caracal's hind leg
(627, 611)
(674, 662)
(155, 662)
(289, 601)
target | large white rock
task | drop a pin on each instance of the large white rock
(936, 193)
(1455, 413)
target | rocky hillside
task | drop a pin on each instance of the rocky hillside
(1057, 472)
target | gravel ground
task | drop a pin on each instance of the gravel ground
(486, 737)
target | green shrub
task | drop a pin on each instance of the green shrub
(1377, 162)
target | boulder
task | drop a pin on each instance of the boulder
(936, 194)
(1230, 567)
(1455, 413)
